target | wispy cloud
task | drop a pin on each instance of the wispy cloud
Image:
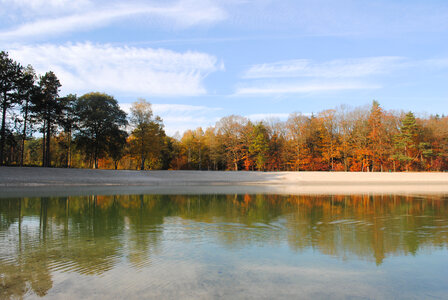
(130, 71)
(76, 22)
(270, 89)
(40, 18)
(307, 76)
(41, 7)
(268, 116)
(178, 109)
(182, 108)
(183, 13)
(342, 17)
(340, 68)
(181, 117)
(300, 76)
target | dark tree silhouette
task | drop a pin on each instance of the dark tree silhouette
(26, 91)
(100, 120)
(48, 109)
(10, 72)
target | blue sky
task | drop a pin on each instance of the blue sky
(199, 60)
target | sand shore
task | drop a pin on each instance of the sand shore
(37, 181)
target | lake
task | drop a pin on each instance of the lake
(255, 246)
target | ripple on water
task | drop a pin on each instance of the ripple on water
(221, 246)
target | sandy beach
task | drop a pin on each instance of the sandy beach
(42, 181)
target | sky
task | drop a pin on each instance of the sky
(199, 60)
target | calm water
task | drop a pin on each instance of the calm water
(224, 246)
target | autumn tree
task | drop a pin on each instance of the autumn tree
(231, 132)
(277, 158)
(359, 141)
(100, 120)
(147, 132)
(345, 121)
(195, 149)
(438, 128)
(296, 128)
(329, 134)
(377, 142)
(215, 149)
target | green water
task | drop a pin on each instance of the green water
(224, 246)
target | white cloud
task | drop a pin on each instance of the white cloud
(340, 68)
(180, 117)
(182, 108)
(301, 17)
(268, 116)
(70, 23)
(45, 6)
(307, 76)
(342, 17)
(183, 13)
(178, 109)
(128, 71)
(299, 87)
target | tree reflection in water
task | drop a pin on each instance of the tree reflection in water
(92, 235)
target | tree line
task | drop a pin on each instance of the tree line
(40, 128)
(362, 139)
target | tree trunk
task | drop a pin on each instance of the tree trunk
(142, 153)
(24, 133)
(142, 165)
(189, 155)
(43, 145)
(95, 159)
(48, 157)
(95, 152)
(69, 154)
(200, 159)
(3, 130)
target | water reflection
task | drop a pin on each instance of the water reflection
(92, 235)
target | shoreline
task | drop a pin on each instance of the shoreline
(36, 181)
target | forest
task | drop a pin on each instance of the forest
(41, 128)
